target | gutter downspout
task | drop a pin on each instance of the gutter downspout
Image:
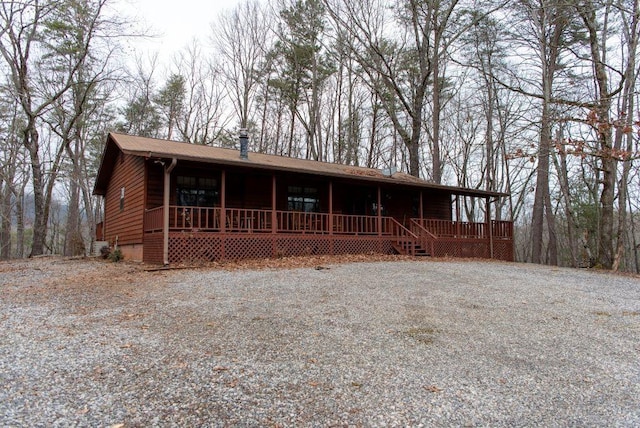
(165, 211)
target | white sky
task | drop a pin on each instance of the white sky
(176, 23)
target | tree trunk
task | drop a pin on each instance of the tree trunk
(549, 48)
(20, 227)
(31, 143)
(6, 196)
(73, 240)
(624, 132)
(602, 125)
(542, 188)
(563, 178)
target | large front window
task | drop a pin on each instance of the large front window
(303, 199)
(196, 191)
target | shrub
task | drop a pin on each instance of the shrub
(116, 255)
(105, 251)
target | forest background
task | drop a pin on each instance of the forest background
(536, 99)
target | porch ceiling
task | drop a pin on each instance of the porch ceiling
(165, 149)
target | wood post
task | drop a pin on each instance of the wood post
(379, 211)
(458, 216)
(223, 198)
(165, 211)
(489, 228)
(274, 215)
(330, 225)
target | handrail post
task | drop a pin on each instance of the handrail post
(489, 228)
(330, 223)
(458, 217)
(274, 215)
(165, 214)
(379, 211)
(223, 197)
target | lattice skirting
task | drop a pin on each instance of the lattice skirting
(152, 248)
(473, 248)
(199, 247)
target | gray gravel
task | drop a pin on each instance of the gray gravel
(404, 343)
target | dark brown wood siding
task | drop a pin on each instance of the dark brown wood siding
(437, 205)
(354, 199)
(155, 186)
(250, 190)
(399, 204)
(125, 222)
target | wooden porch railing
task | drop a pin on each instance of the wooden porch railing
(247, 220)
(502, 229)
(344, 224)
(406, 239)
(453, 229)
(261, 221)
(425, 238)
(153, 219)
(302, 222)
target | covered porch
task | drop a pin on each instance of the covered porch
(206, 212)
(206, 234)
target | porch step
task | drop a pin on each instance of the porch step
(420, 252)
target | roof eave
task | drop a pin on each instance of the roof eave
(386, 180)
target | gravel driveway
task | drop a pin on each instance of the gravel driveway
(386, 343)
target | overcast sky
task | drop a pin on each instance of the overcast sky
(176, 22)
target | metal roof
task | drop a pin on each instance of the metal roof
(167, 149)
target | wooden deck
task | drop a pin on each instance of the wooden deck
(206, 234)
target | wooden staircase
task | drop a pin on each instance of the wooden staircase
(406, 241)
(418, 250)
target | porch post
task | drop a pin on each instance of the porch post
(421, 207)
(330, 225)
(223, 199)
(274, 216)
(165, 211)
(489, 228)
(458, 216)
(379, 211)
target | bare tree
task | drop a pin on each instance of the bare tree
(243, 38)
(202, 118)
(33, 44)
(600, 119)
(624, 136)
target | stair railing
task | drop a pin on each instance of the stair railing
(425, 238)
(403, 236)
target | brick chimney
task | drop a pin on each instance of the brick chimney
(244, 144)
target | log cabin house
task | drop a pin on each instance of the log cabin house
(167, 202)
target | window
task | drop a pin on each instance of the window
(303, 199)
(122, 199)
(196, 191)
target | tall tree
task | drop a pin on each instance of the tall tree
(170, 101)
(404, 62)
(549, 23)
(33, 46)
(202, 118)
(600, 119)
(624, 138)
(305, 68)
(242, 36)
(140, 115)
